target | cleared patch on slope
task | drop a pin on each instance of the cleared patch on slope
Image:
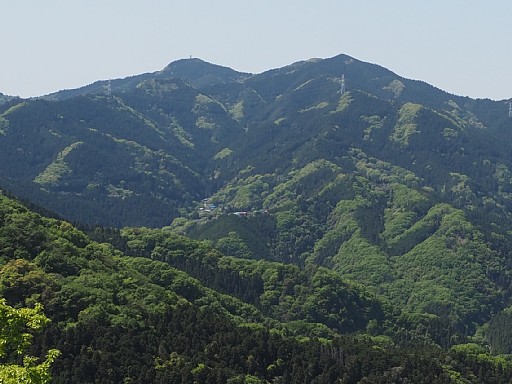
(54, 172)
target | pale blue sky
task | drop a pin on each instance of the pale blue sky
(460, 46)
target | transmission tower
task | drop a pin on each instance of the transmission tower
(510, 109)
(342, 90)
(108, 89)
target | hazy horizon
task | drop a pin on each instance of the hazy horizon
(459, 47)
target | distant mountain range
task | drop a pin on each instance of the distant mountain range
(333, 165)
(158, 142)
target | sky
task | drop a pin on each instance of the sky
(460, 46)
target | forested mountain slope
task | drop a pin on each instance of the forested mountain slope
(393, 198)
(375, 227)
(4, 98)
(158, 142)
(117, 318)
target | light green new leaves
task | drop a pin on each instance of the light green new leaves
(15, 337)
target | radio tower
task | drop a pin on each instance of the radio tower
(510, 109)
(342, 90)
(108, 89)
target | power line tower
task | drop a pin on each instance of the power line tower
(108, 89)
(342, 90)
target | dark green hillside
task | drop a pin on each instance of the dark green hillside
(128, 319)
(284, 292)
(393, 199)
(201, 74)
(4, 98)
(375, 226)
(158, 142)
(196, 72)
(111, 160)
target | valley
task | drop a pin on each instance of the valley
(358, 232)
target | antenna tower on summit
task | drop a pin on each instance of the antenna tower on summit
(510, 109)
(342, 90)
(108, 89)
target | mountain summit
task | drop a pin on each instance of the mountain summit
(158, 142)
(200, 73)
(331, 164)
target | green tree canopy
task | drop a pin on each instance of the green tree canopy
(16, 327)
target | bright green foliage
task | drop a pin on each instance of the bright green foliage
(320, 105)
(237, 112)
(344, 102)
(374, 123)
(118, 318)
(381, 230)
(396, 87)
(385, 210)
(58, 169)
(233, 245)
(16, 328)
(406, 126)
(223, 154)
(13, 336)
(312, 176)
(244, 194)
(150, 146)
(435, 265)
(361, 261)
(23, 280)
(281, 291)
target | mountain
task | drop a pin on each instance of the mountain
(394, 186)
(125, 318)
(5, 98)
(159, 142)
(196, 72)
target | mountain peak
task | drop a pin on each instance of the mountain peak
(201, 73)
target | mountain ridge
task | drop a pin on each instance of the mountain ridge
(228, 117)
(191, 67)
(289, 185)
(131, 316)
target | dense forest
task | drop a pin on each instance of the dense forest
(199, 224)
(128, 317)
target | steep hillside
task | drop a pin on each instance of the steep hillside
(131, 319)
(396, 188)
(98, 160)
(158, 142)
(375, 225)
